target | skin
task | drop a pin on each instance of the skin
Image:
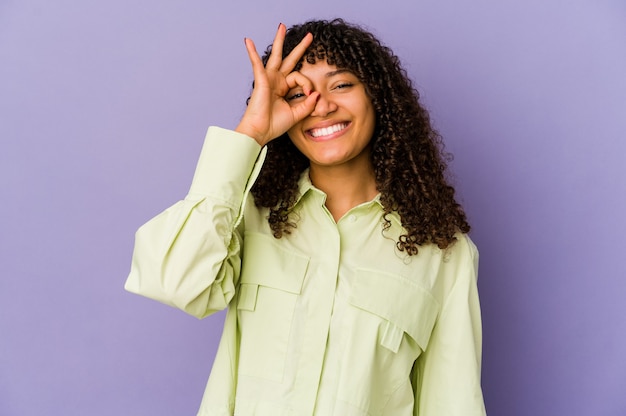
(268, 115)
(327, 114)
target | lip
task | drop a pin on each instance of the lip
(327, 137)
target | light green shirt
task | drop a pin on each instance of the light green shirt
(329, 320)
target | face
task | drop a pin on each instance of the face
(339, 129)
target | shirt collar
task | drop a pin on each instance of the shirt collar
(305, 185)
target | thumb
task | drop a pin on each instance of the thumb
(306, 107)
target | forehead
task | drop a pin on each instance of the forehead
(322, 69)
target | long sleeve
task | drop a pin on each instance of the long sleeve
(189, 255)
(446, 377)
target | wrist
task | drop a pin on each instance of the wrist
(244, 129)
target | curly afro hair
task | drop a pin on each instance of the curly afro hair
(407, 153)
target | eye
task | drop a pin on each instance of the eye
(294, 96)
(343, 85)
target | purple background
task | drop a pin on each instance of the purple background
(103, 109)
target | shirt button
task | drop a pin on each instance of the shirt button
(352, 218)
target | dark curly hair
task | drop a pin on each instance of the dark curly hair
(407, 153)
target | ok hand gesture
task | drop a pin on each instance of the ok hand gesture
(268, 114)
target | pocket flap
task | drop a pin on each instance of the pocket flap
(247, 297)
(397, 300)
(266, 263)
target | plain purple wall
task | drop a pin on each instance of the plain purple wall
(103, 108)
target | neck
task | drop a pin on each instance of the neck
(345, 186)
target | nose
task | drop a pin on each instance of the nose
(324, 106)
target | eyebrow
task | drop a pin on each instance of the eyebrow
(337, 72)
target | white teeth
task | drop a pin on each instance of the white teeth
(325, 131)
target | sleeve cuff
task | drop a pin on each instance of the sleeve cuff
(226, 167)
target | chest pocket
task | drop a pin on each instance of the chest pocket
(406, 308)
(270, 282)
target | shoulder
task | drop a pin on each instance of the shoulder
(460, 258)
(464, 246)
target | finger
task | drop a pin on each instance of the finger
(253, 55)
(297, 79)
(306, 107)
(277, 48)
(258, 70)
(294, 56)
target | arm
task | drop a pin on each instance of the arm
(188, 256)
(446, 377)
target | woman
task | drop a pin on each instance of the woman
(326, 227)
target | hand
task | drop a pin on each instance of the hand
(268, 114)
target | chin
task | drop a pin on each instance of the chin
(328, 161)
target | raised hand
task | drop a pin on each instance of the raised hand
(268, 114)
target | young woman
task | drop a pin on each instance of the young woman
(325, 225)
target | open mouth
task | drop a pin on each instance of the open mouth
(327, 131)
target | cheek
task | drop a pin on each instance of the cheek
(295, 131)
(296, 138)
(370, 124)
(293, 135)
